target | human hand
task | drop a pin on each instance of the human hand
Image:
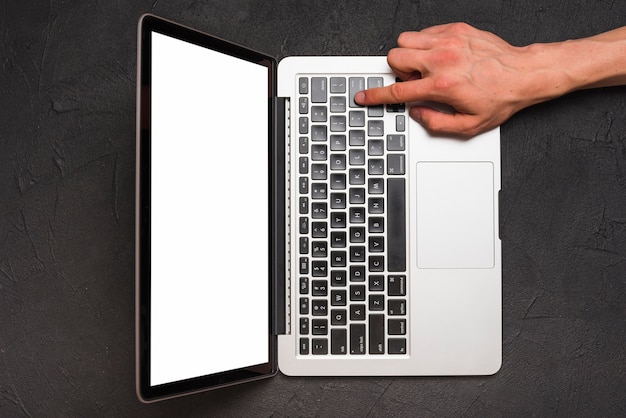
(478, 74)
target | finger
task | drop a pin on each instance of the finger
(437, 29)
(436, 122)
(407, 91)
(406, 61)
(415, 40)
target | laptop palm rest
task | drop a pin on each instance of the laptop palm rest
(455, 215)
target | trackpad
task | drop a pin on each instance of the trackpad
(455, 215)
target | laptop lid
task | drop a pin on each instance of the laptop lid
(208, 212)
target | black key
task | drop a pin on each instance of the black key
(337, 84)
(337, 142)
(357, 339)
(304, 306)
(396, 285)
(319, 210)
(304, 206)
(338, 297)
(357, 254)
(376, 244)
(355, 85)
(338, 341)
(356, 137)
(395, 108)
(319, 327)
(319, 171)
(395, 164)
(304, 326)
(337, 200)
(376, 334)
(319, 249)
(376, 147)
(304, 185)
(304, 345)
(337, 161)
(303, 85)
(304, 105)
(357, 312)
(338, 317)
(304, 285)
(319, 288)
(304, 265)
(376, 128)
(338, 219)
(357, 195)
(357, 234)
(375, 205)
(376, 166)
(318, 113)
(357, 176)
(303, 125)
(395, 142)
(338, 239)
(376, 282)
(377, 302)
(357, 273)
(376, 263)
(337, 277)
(304, 225)
(319, 133)
(319, 307)
(357, 118)
(319, 346)
(319, 268)
(396, 307)
(357, 157)
(318, 152)
(337, 181)
(338, 259)
(319, 229)
(337, 104)
(376, 224)
(338, 123)
(357, 292)
(304, 165)
(396, 224)
(397, 345)
(304, 245)
(319, 89)
(357, 215)
(396, 326)
(376, 185)
(303, 144)
(319, 191)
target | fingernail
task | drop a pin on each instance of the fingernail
(416, 114)
(359, 97)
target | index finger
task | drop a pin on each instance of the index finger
(401, 92)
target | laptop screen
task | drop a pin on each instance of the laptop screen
(209, 192)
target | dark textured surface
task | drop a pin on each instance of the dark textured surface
(67, 101)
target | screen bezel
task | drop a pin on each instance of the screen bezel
(145, 392)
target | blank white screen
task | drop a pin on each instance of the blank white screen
(209, 212)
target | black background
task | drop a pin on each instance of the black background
(67, 161)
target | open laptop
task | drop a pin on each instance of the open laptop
(282, 226)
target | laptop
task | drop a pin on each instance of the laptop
(281, 226)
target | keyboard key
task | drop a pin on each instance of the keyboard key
(357, 118)
(304, 285)
(303, 145)
(337, 104)
(357, 195)
(303, 124)
(357, 254)
(318, 152)
(396, 285)
(303, 105)
(357, 157)
(304, 225)
(376, 147)
(318, 171)
(376, 263)
(319, 89)
(337, 123)
(319, 133)
(376, 282)
(357, 215)
(376, 224)
(337, 200)
(338, 341)
(303, 85)
(304, 265)
(319, 268)
(395, 164)
(376, 111)
(304, 326)
(376, 166)
(319, 249)
(338, 297)
(338, 317)
(396, 326)
(337, 161)
(319, 191)
(338, 181)
(395, 143)
(396, 307)
(337, 85)
(304, 205)
(357, 339)
(397, 345)
(396, 217)
(338, 239)
(304, 245)
(337, 142)
(304, 346)
(338, 258)
(318, 113)
(376, 185)
(319, 307)
(357, 292)
(356, 84)
(376, 334)
(319, 346)
(375, 128)
(303, 163)
(319, 210)
(400, 123)
(319, 327)
(319, 288)
(357, 273)
(395, 108)
(357, 312)
(338, 220)
(376, 244)
(375, 205)
(357, 234)
(357, 176)
(377, 302)
(338, 278)
(304, 306)
(319, 229)
(356, 137)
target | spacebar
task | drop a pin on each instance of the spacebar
(396, 225)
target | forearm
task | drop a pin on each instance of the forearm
(562, 67)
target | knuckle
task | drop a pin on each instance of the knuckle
(397, 92)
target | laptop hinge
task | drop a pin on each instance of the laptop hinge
(280, 213)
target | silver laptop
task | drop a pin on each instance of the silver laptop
(281, 226)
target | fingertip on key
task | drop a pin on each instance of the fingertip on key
(359, 97)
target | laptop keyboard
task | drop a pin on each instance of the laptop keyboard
(351, 240)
